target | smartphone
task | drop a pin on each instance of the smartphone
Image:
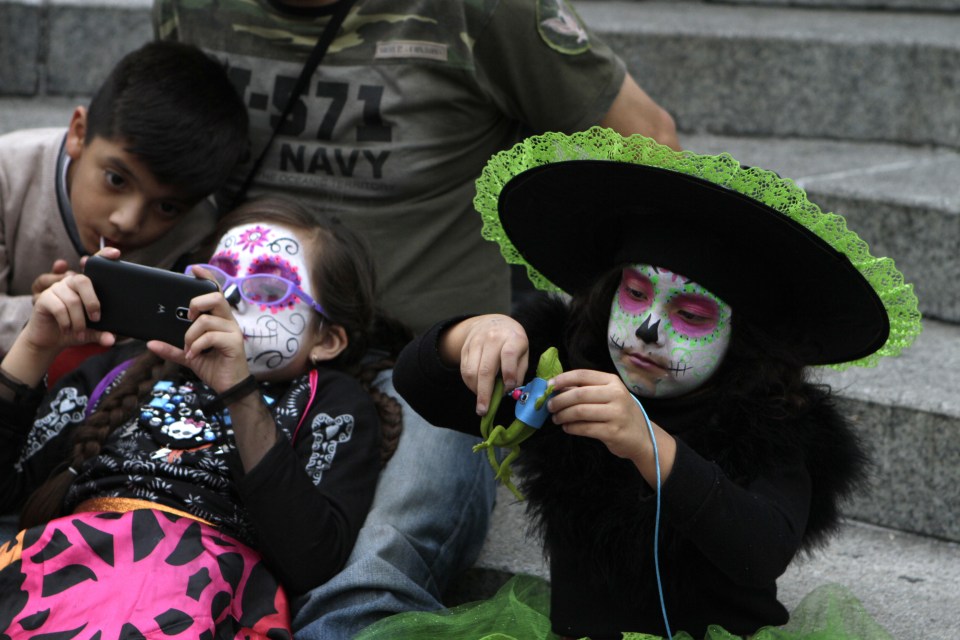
(143, 302)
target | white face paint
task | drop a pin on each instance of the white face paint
(667, 335)
(277, 337)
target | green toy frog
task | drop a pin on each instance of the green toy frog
(531, 412)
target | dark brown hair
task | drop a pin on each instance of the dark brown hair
(174, 108)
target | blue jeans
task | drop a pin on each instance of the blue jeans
(8, 526)
(428, 521)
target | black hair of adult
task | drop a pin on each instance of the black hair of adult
(174, 108)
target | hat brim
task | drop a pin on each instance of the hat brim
(573, 221)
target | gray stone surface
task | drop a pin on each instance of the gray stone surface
(914, 483)
(20, 47)
(757, 70)
(87, 39)
(895, 5)
(30, 113)
(908, 583)
(908, 411)
(772, 71)
(872, 5)
(925, 378)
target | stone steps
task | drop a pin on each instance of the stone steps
(66, 47)
(932, 6)
(790, 72)
(922, 6)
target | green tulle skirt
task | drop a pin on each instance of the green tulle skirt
(521, 611)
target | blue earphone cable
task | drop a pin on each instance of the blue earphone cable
(656, 528)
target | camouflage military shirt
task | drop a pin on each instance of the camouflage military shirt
(410, 101)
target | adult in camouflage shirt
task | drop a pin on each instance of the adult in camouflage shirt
(409, 102)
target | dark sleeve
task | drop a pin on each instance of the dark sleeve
(437, 392)
(16, 483)
(751, 532)
(309, 501)
(36, 437)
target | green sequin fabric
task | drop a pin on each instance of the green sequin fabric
(781, 194)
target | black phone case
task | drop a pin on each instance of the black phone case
(143, 302)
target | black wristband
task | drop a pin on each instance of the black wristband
(243, 388)
(21, 392)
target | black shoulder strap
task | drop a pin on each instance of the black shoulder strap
(313, 61)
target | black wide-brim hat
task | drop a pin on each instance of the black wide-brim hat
(797, 273)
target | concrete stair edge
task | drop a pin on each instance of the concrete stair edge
(914, 6)
(785, 71)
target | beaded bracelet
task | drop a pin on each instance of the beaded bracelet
(243, 388)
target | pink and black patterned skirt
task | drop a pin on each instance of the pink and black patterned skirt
(138, 574)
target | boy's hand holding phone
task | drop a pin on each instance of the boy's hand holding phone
(58, 272)
(60, 315)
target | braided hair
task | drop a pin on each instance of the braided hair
(116, 408)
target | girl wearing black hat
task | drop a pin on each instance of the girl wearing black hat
(688, 459)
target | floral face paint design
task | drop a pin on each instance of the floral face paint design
(276, 336)
(667, 335)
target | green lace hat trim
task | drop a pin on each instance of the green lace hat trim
(780, 194)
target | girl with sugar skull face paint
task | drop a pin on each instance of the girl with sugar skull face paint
(274, 331)
(667, 334)
(698, 293)
(260, 436)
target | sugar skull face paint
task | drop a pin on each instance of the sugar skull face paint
(277, 336)
(667, 334)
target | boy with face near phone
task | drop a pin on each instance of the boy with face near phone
(163, 132)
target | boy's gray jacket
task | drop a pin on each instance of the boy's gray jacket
(32, 227)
